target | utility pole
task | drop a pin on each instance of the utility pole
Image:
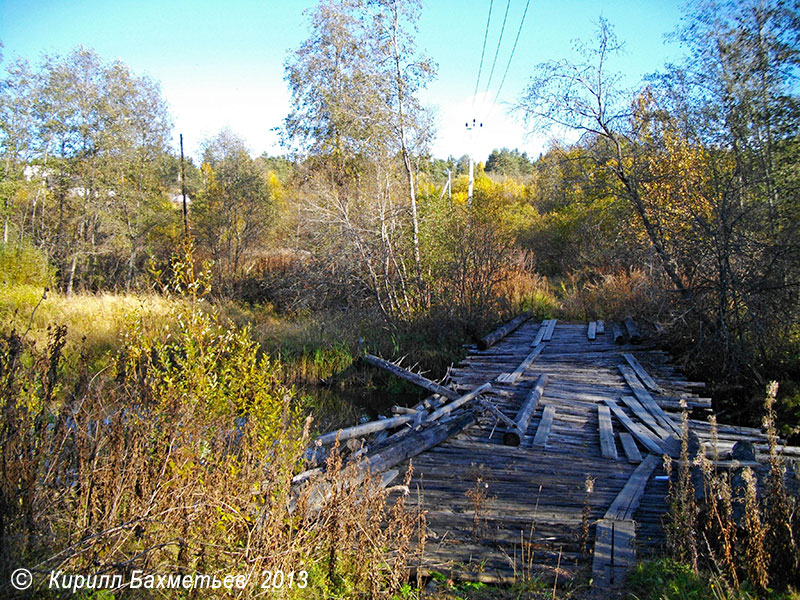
(183, 192)
(470, 129)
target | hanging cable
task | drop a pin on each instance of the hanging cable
(483, 51)
(497, 51)
(508, 65)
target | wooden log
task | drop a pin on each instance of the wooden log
(459, 402)
(491, 408)
(414, 378)
(607, 446)
(633, 331)
(512, 377)
(513, 437)
(591, 332)
(363, 429)
(498, 334)
(601, 327)
(543, 431)
(648, 381)
(616, 331)
(629, 446)
(419, 441)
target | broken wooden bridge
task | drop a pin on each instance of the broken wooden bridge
(544, 451)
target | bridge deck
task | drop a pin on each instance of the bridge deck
(497, 512)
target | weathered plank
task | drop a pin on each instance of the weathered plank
(540, 334)
(629, 446)
(601, 327)
(628, 499)
(501, 332)
(614, 554)
(513, 436)
(543, 431)
(647, 439)
(551, 327)
(647, 400)
(644, 416)
(648, 381)
(608, 447)
(591, 332)
(512, 377)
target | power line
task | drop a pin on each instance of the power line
(483, 50)
(508, 65)
(497, 51)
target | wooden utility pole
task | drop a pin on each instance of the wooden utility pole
(183, 193)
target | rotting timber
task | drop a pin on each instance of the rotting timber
(549, 421)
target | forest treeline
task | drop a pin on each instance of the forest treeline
(677, 203)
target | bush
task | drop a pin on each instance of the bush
(21, 264)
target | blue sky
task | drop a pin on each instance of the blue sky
(221, 64)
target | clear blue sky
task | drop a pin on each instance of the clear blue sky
(221, 64)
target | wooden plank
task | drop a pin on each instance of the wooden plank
(608, 448)
(591, 332)
(647, 400)
(629, 446)
(627, 501)
(551, 327)
(543, 431)
(633, 332)
(616, 330)
(601, 327)
(644, 416)
(647, 439)
(614, 553)
(540, 334)
(513, 437)
(512, 377)
(501, 332)
(648, 381)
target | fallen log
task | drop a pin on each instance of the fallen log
(459, 402)
(513, 437)
(498, 334)
(616, 330)
(414, 378)
(633, 331)
(362, 430)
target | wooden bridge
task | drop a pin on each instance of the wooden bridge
(557, 463)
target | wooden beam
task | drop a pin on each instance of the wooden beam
(601, 327)
(608, 448)
(629, 446)
(648, 381)
(614, 553)
(549, 413)
(591, 332)
(498, 334)
(627, 501)
(647, 439)
(647, 400)
(644, 416)
(548, 334)
(540, 333)
(414, 378)
(513, 437)
(512, 377)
